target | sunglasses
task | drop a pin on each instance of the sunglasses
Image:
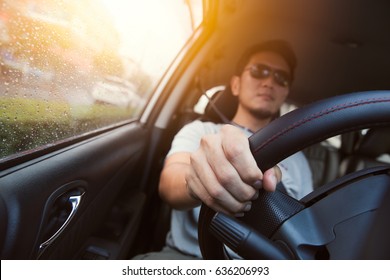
(261, 71)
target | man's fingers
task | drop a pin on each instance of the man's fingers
(237, 151)
(271, 178)
(204, 184)
(225, 173)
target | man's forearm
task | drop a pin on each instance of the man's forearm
(173, 188)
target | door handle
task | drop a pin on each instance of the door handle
(75, 201)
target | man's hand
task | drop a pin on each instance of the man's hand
(224, 175)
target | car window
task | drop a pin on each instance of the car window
(75, 66)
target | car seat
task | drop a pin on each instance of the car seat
(221, 107)
(372, 149)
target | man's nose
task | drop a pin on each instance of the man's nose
(268, 81)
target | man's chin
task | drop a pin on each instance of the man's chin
(263, 114)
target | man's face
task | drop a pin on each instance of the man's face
(262, 97)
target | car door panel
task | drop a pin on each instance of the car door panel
(34, 196)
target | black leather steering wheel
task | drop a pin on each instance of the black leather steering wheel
(334, 221)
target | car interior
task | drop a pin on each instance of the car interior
(112, 175)
(337, 44)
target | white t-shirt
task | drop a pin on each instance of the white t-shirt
(296, 178)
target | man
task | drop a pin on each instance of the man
(212, 163)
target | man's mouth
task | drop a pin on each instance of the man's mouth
(265, 96)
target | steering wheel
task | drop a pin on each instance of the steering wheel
(341, 220)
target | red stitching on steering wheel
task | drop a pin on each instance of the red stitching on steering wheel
(319, 115)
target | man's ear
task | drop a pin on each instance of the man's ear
(235, 85)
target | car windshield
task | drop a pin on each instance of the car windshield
(72, 67)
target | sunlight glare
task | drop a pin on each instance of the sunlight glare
(146, 25)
